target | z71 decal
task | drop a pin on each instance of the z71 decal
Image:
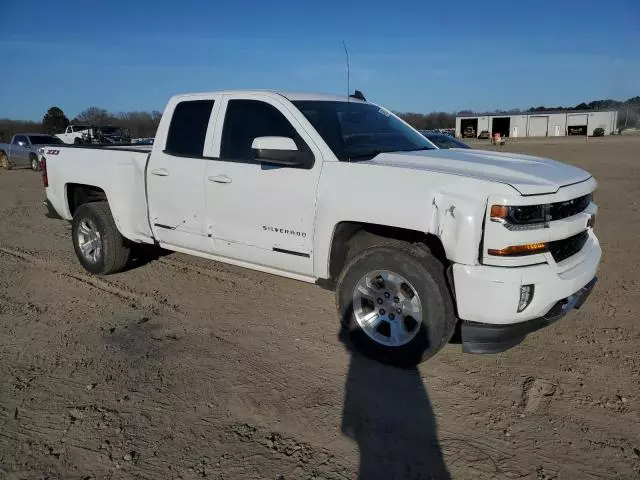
(52, 152)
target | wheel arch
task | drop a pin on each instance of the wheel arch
(77, 194)
(347, 233)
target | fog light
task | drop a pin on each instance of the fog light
(526, 295)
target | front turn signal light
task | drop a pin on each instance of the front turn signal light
(499, 212)
(518, 250)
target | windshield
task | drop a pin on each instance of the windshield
(360, 131)
(44, 140)
(445, 141)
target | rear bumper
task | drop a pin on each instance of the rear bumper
(487, 338)
(51, 212)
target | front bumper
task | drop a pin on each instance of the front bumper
(488, 294)
(487, 338)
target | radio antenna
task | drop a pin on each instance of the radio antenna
(346, 54)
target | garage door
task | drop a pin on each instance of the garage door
(576, 120)
(538, 126)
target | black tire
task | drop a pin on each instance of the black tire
(416, 264)
(4, 161)
(34, 163)
(77, 141)
(115, 250)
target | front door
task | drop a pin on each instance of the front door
(176, 177)
(20, 150)
(258, 213)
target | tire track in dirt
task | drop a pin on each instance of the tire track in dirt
(137, 299)
(111, 421)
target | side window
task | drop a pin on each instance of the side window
(19, 138)
(188, 128)
(246, 120)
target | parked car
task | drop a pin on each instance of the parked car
(495, 243)
(442, 140)
(598, 132)
(484, 134)
(73, 134)
(24, 150)
(469, 132)
(142, 141)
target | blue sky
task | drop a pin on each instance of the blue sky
(410, 56)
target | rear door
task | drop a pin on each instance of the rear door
(176, 176)
(262, 214)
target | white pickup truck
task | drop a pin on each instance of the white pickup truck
(416, 241)
(74, 134)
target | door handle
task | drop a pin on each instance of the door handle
(220, 179)
(160, 172)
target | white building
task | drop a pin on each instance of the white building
(538, 124)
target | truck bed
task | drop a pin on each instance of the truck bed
(118, 170)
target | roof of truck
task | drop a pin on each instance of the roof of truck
(33, 134)
(293, 96)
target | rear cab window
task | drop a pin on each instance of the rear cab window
(188, 128)
(44, 140)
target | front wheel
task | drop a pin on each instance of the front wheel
(395, 303)
(97, 242)
(4, 161)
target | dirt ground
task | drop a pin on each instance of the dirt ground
(185, 368)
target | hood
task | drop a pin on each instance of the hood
(529, 175)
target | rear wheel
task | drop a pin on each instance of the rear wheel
(97, 242)
(4, 161)
(35, 164)
(395, 303)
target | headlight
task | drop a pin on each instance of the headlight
(525, 217)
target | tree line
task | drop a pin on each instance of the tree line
(140, 124)
(144, 124)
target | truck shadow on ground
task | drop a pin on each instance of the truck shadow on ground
(144, 254)
(387, 412)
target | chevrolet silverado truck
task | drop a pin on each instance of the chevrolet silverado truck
(416, 241)
(24, 150)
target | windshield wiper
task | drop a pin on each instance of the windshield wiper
(373, 153)
(367, 155)
(417, 149)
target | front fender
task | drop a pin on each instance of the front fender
(456, 219)
(451, 207)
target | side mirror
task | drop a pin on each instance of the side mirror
(280, 151)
